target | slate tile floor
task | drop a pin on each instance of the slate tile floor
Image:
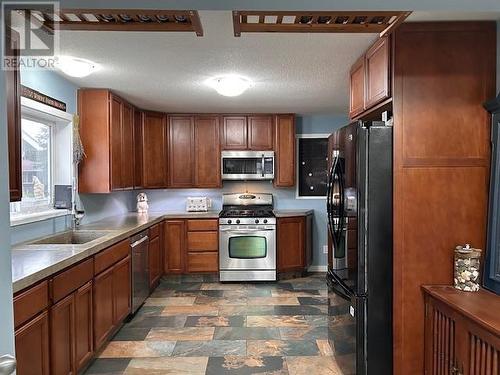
(194, 325)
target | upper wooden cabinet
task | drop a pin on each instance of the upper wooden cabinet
(13, 94)
(234, 133)
(285, 162)
(253, 132)
(260, 133)
(377, 67)
(357, 88)
(106, 130)
(180, 151)
(207, 152)
(151, 158)
(370, 78)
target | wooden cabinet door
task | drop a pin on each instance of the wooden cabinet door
(180, 151)
(154, 150)
(154, 262)
(357, 88)
(32, 346)
(127, 156)
(115, 129)
(62, 335)
(103, 307)
(122, 291)
(84, 343)
(260, 133)
(234, 133)
(377, 72)
(207, 152)
(285, 161)
(138, 146)
(174, 245)
(13, 95)
(291, 244)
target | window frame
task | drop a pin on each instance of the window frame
(61, 132)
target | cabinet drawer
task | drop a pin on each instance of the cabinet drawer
(154, 231)
(203, 241)
(70, 280)
(202, 262)
(30, 303)
(203, 225)
(111, 255)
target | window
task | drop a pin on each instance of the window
(37, 162)
(46, 143)
(312, 166)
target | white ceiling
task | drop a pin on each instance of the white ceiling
(301, 73)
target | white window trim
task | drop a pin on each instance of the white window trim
(297, 137)
(36, 109)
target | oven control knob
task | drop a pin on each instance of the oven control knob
(265, 221)
(256, 221)
(229, 221)
(237, 221)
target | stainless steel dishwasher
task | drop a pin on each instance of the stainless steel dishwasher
(139, 245)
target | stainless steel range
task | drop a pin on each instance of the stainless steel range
(247, 239)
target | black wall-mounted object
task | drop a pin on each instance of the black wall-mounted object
(491, 273)
(313, 167)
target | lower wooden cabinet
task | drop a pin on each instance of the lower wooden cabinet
(84, 336)
(103, 307)
(32, 346)
(174, 244)
(191, 246)
(155, 268)
(293, 243)
(462, 332)
(112, 299)
(62, 335)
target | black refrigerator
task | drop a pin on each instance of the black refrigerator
(359, 278)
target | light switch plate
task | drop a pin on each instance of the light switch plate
(325, 249)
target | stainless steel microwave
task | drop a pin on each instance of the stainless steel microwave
(247, 165)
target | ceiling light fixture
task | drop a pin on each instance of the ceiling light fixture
(75, 66)
(230, 85)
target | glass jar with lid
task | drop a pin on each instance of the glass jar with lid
(466, 273)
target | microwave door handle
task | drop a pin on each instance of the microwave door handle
(263, 161)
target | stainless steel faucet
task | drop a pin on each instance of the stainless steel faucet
(77, 217)
(7, 365)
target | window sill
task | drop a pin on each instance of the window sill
(38, 216)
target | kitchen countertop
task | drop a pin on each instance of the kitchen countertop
(292, 213)
(34, 262)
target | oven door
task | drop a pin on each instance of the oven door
(247, 247)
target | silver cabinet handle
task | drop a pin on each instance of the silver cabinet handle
(7, 365)
(137, 243)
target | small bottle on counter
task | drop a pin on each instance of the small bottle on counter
(466, 275)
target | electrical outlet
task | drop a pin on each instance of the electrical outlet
(325, 249)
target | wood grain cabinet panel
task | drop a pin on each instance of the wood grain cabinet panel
(115, 130)
(30, 303)
(70, 280)
(260, 133)
(285, 161)
(13, 106)
(207, 152)
(202, 241)
(377, 72)
(202, 262)
(291, 234)
(103, 307)
(128, 147)
(180, 151)
(122, 303)
(111, 255)
(154, 262)
(234, 133)
(357, 88)
(138, 149)
(194, 225)
(174, 245)
(154, 147)
(62, 337)
(84, 337)
(32, 346)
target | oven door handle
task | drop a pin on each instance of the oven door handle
(242, 231)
